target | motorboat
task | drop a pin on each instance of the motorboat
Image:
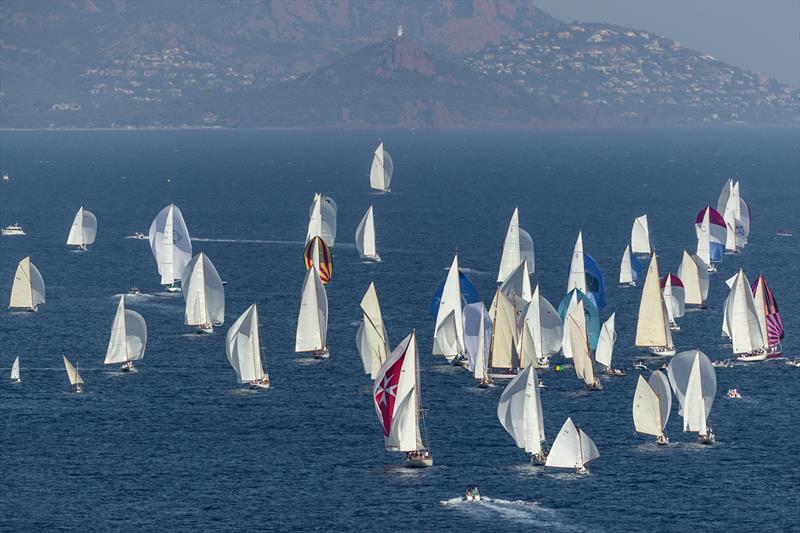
(723, 363)
(134, 291)
(639, 365)
(12, 230)
(472, 495)
(139, 235)
(733, 394)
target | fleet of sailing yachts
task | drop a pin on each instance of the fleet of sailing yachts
(518, 335)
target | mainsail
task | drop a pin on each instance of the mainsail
(372, 341)
(27, 292)
(652, 326)
(203, 292)
(170, 244)
(243, 347)
(693, 272)
(128, 336)
(640, 236)
(380, 175)
(742, 319)
(520, 411)
(545, 324)
(365, 236)
(322, 219)
(449, 304)
(605, 345)
(312, 320)
(572, 448)
(477, 338)
(84, 228)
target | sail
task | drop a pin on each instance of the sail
(724, 194)
(373, 343)
(312, 320)
(732, 213)
(517, 285)
(447, 336)
(15, 370)
(742, 318)
(572, 448)
(593, 322)
(203, 292)
(396, 397)
(243, 346)
(322, 219)
(652, 327)
(380, 175)
(170, 244)
(527, 348)
(545, 324)
(674, 296)
(769, 318)
(477, 338)
(693, 273)
(581, 356)
(694, 413)
(318, 255)
(660, 384)
(589, 451)
(526, 250)
(711, 233)
(520, 411)
(577, 272)
(605, 345)
(28, 288)
(679, 371)
(128, 336)
(640, 236)
(84, 228)
(629, 268)
(365, 235)
(504, 338)
(450, 302)
(72, 373)
(510, 258)
(646, 410)
(469, 294)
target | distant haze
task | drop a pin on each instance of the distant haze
(763, 36)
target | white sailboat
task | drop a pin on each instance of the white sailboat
(380, 175)
(322, 219)
(243, 348)
(75, 380)
(626, 274)
(518, 245)
(204, 294)
(652, 327)
(546, 327)
(83, 230)
(15, 371)
(605, 346)
(577, 270)
(694, 382)
(171, 246)
(448, 339)
(27, 292)
(396, 395)
(647, 412)
(575, 324)
(742, 321)
(693, 272)
(520, 413)
(478, 341)
(517, 287)
(674, 299)
(503, 360)
(365, 237)
(640, 236)
(736, 214)
(312, 321)
(572, 449)
(371, 339)
(128, 338)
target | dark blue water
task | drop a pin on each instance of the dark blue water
(180, 445)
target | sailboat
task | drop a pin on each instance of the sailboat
(546, 327)
(736, 213)
(371, 339)
(711, 235)
(572, 449)
(585, 275)
(396, 395)
(652, 327)
(577, 270)
(15, 371)
(503, 359)
(517, 246)
(448, 339)
(75, 379)
(204, 294)
(693, 272)
(318, 255)
(83, 230)
(575, 324)
(478, 341)
(629, 268)
(322, 219)
(640, 236)
(365, 237)
(769, 318)
(743, 325)
(520, 413)
(27, 292)
(647, 412)
(380, 175)
(171, 246)
(243, 348)
(517, 287)
(674, 298)
(312, 321)
(694, 382)
(605, 347)
(128, 338)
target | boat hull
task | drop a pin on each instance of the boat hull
(663, 353)
(751, 358)
(426, 462)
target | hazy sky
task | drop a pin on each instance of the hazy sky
(763, 36)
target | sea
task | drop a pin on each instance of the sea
(181, 446)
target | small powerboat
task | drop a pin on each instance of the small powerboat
(794, 362)
(542, 385)
(733, 394)
(723, 363)
(134, 291)
(543, 362)
(139, 235)
(472, 495)
(639, 365)
(784, 233)
(616, 372)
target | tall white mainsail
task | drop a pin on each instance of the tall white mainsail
(652, 327)
(674, 297)
(577, 271)
(84, 228)
(203, 292)
(27, 292)
(694, 274)
(128, 336)
(545, 325)
(605, 344)
(640, 236)
(517, 286)
(15, 370)
(575, 324)
(731, 212)
(504, 334)
(518, 245)
(365, 237)
(372, 341)
(170, 244)
(646, 410)
(478, 339)
(625, 268)
(380, 175)
(572, 448)
(694, 382)
(312, 320)
(659, 382)
(520, 411)
(322, 219)
(448, 337)
(243, 347)
(742, 319)
(75, 378)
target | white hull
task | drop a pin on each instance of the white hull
(502, 376)
(426, 462)
(752, 358)
(205, 330)
(663, 353)
(259, 385)
(371, 258)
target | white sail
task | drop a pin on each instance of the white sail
(660, 384)
(724, 194)
(674, 297)
(170, 244)
(72, 373)
(742, 318)
(694, 274)
(517, 285)
(15, 370)
(680, 369)
(581, 354)
(646, 410)
(243, 346)
(520, 411)
(510, 258)
(84, 228)
(312, 320)
(375, 346)
(694, 412)
(572, 448)
(504, 334)
(380, 175)
(625, 269)
(128, 336)
(566, 343)
(396, 396)
(731, 214)
(204, 293)
(477, 338)
(545, 325)
(640, 236)
(28, 288)
(526, 250)
(365, 236)
(450, 303)
(704, 238)
(652, 327)
(577, 272)
(527, 348)
(605, 344)
(322, 219)
(447, 336)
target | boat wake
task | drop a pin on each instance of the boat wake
(519, 511)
